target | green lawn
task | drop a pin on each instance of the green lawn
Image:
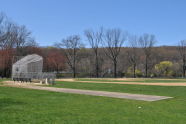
(1, 80)
(5, 79)
(127, 88)
(140, 80)
(37, 107)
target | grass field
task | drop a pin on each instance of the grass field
(36, 107)
(1, 80)
(140, 80)
(127, 88)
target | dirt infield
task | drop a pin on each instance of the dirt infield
(132, 83)
(88, 92)
(68, 79)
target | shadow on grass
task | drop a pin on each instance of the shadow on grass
(6, 102)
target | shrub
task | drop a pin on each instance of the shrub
(164, 68)
(130, 72)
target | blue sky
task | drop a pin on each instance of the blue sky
(52, 20)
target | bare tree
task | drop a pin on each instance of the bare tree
(71, 45)
(95, 39)
(15, 36)
(2, 30)
(147, 42)
(182, 52)
(112, 43)
(132, 53)
(1, 17)
(13, 40)
(22, 38)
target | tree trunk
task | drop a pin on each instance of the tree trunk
(183, 68)
(97, 66)
(74, 64)
(134, 70)
(74, 68)
(115, 68)
(146, 67)
(74, 72)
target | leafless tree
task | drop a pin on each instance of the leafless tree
(13, 41)
(112, 43)
(15, 36)
(21, 38)
(182, 52)
(147, 42)
(95, 39)
(132, 53)
(71, 45)
(1, 17)
(2, 30)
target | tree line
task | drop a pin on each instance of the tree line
(104, 53)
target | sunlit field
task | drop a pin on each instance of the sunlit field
(140, 80)
(34, 106)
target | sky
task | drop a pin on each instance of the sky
(52, 20)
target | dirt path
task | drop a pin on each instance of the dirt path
(134, 83)
(88, 92)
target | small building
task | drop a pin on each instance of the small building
(29, 68)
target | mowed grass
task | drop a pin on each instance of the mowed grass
(175, 91)
(140, 80)
(1, 80)
(25, 106)
(36, 107)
